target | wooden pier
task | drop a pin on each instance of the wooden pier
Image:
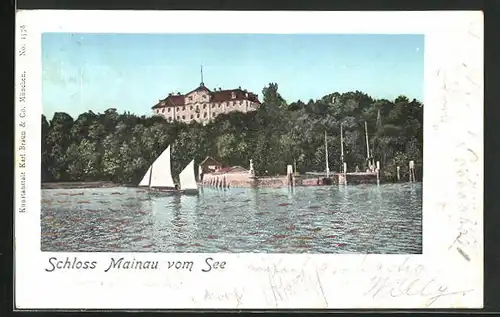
(339, 178)
(308, 179)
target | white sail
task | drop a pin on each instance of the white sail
(187, 177)
(161, 174)
(146, 178)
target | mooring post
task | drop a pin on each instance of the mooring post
(378, 172)
(397, 172)
(289, 173)
(412, 167)
(413, 170)
(345, 173)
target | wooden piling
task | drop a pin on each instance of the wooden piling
(398, 174)
(412, 171)
(289, 174)
(378, 172)
(345, 173)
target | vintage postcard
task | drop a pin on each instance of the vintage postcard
(248, 160)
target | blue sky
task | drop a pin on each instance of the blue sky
(131, 72)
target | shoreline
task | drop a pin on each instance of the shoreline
(74, 185)
(109, 184)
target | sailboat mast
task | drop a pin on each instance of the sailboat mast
(150, 175)
(326, 157)
(341, 145)
(367, 144)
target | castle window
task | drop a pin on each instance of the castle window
(183, 108)
(218, 106)
(204, 106)
(183, 117)
(177, 118)
(162, 110)
(190, 97)
(191, 108)
(191, 116)
(198, 115)
(168, 110)
(205, 115)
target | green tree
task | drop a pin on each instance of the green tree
(120, 147)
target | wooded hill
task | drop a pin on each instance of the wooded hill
(120, 147)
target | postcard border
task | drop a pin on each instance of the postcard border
(459, 174)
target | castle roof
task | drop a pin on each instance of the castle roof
(215, 96)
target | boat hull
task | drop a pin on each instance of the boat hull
(189, 192)
(171, 191)
(162, 191)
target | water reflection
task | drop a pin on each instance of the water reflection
(324, 219)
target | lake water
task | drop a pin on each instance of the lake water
(330, 219)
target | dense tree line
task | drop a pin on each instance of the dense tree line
(119, 147)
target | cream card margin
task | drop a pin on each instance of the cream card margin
(449, 274)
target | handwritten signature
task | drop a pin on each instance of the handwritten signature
(227, 296)
(284, 287)
(428, 288)
(465, 199)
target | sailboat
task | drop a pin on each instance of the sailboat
(159, 174)
(187, 180)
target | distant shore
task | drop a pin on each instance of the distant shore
(69, 185)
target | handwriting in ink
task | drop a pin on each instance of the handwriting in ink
(431, 289)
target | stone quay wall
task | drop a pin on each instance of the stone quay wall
(357, 178)
(245, 180)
